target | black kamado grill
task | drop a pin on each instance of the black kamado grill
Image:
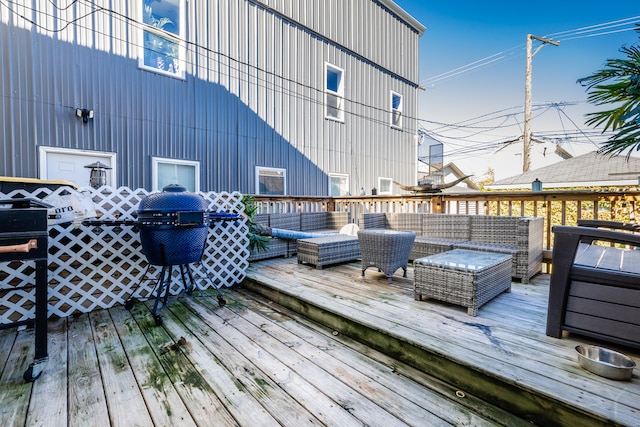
(174, 226)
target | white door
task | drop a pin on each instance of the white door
(69, 165)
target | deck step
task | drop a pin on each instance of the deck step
(537, 386)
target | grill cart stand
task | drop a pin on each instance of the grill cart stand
(24, 237)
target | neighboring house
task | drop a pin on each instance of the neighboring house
(506, 161)
(449, 173)
(431, 168)
(309, 97)
(588, 170)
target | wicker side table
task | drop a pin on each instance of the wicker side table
(462, 277)
(386, 249)
(321, 251)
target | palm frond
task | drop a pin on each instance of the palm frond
(617, 85)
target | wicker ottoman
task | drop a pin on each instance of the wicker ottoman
(321, 251)
(462, 277)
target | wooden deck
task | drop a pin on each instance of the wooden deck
(502, 355)
(250, 363)
(256, 363)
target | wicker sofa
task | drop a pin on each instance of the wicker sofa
(520, 237)
(314, 222)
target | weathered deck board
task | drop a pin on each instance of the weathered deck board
(179, 371)
(14, 391)
(249, 363)
(250, 395)
(340, 390)
(506, 340)
(124, 400)
(87, 401)
(407, 400)
(47, 387)
(162, 399)
(299, 378)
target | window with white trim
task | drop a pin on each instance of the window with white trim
(384, 185)
(173, 171)
(163, 32)
(396, 110)
(338, 184)
(271, 181)
(334, 93)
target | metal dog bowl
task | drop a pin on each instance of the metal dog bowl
(604, 362)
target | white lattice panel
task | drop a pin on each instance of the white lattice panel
(91, 267)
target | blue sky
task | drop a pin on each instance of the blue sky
(459, 33)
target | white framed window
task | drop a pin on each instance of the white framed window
(384, 185)
(163, 31)
(173, 171)
(271, 181)
(338, 184)
(334, 93)
(396, 110)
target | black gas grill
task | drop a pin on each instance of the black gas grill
(24, 237)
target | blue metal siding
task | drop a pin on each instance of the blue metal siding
(252, 93)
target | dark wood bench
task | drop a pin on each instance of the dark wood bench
(595, 282)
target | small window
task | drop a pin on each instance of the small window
(396, 110)
(384, 185)
(339, 185)
(163, 31)
(172, 171)
(271, 181)
(334, 93)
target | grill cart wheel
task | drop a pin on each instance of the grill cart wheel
(221, 301)
(158, 319)
(32, 373)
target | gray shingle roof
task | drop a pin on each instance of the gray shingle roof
(588, 170)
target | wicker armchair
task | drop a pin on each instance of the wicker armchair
(388, 250)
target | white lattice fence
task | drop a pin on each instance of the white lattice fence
(92, 267)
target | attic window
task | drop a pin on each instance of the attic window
(163, 30)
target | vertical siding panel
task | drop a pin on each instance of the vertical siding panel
(253, 92)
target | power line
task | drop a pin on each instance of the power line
(471, 66)
(243, 74)
(257, 76)
(603, 29)
(462, 145)
(597, 29)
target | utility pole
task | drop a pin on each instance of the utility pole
(526, 160)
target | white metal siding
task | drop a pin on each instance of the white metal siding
(253, 92)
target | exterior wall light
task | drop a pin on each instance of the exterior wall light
(98, 176)
(536, 185)
(85, 114)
